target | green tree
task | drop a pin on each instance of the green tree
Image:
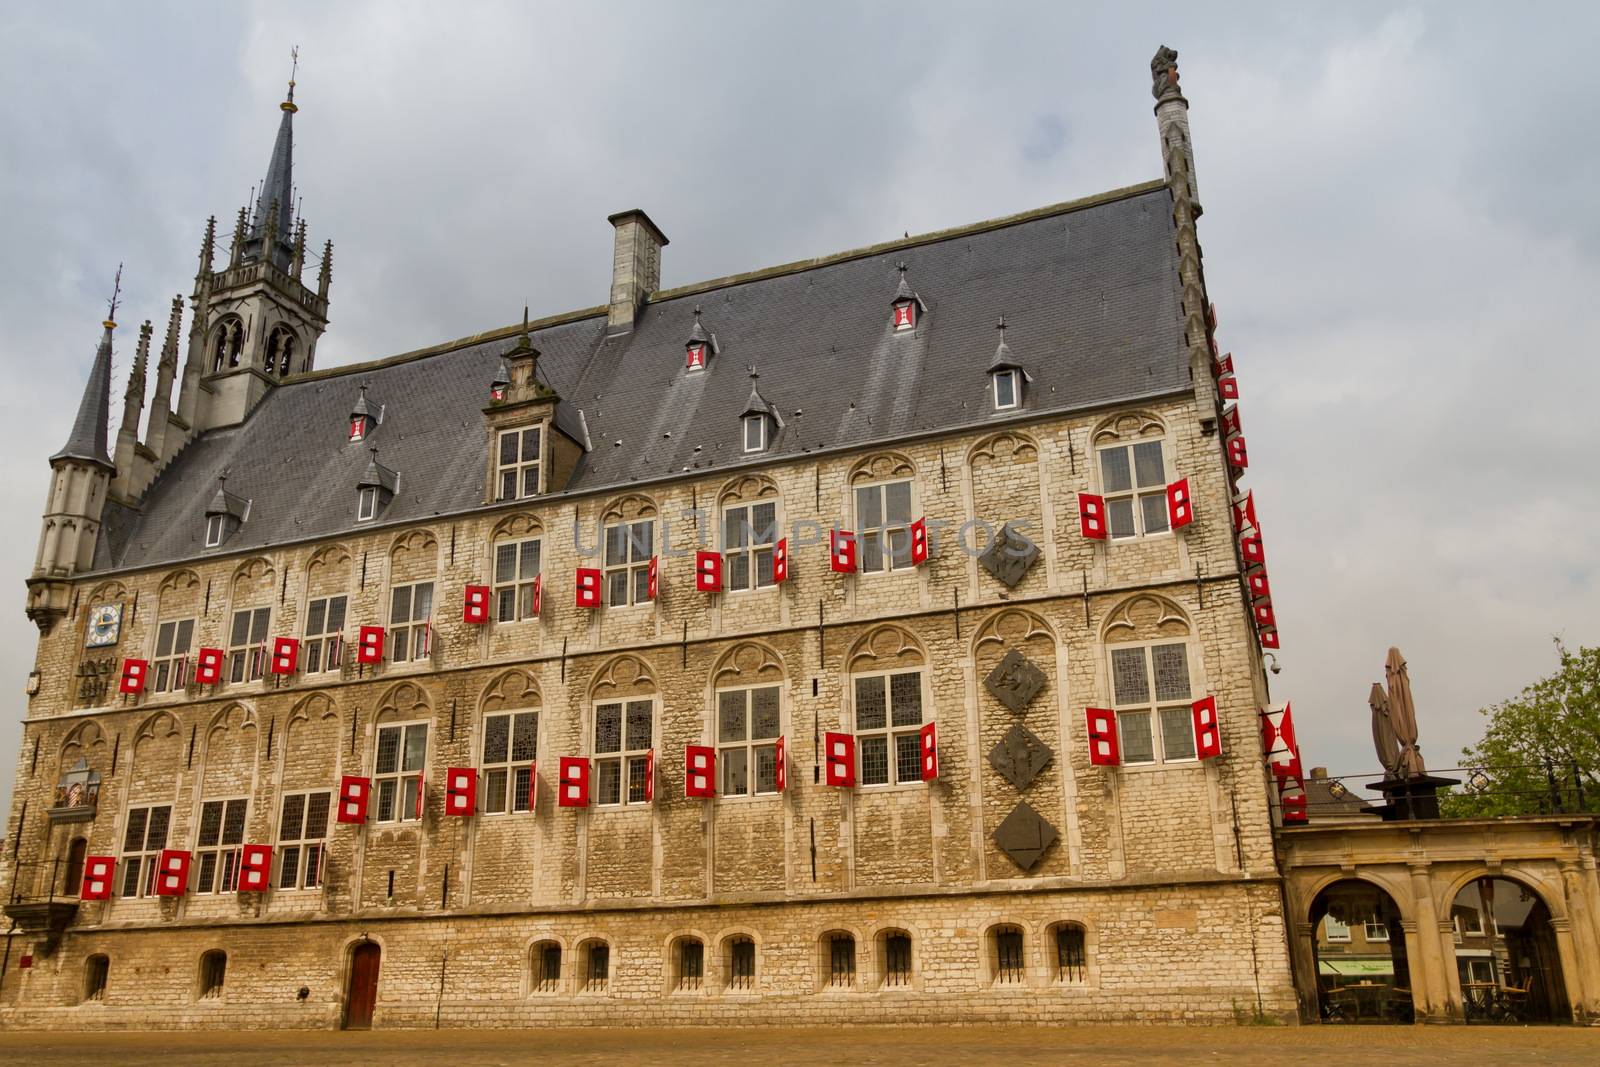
(1541, 749)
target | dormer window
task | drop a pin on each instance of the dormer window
(696, 359)
(225, 514)
(367, 503)
(700, 346)
(363, 417)
(1005, 390)
(375, 489)
(755, 433)
(214, 530)
(517, 466)
(906, 306)
(358, 427)
(905, 315)
(1006, 374)
(502, 382)
(759, 419)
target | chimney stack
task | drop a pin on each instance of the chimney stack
(1172, 119)
(635, 267)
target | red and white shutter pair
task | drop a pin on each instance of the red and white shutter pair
(460, 791)
(1244, 512)
(255, 868)
(839, 759)
(1092, 516)
(928, 741)
(1104, 750)
(1231, 425)
(208, 666)
(97, 872)
(172, 873)
(780, 561)
(699, 771)
(586, 588)
(369, 644)
(285, 655)
(1278, 741)
(919, 542)
(1256, 579)
(1180, 508)
(708, 572)
(1262, 610)
(653, 578)
(1238, 456)
(573, 782)
(695, 356)
(1251, 548)
(475, 605)
(1293, 800)
(353, 793)
(1269, 638)
(134, 672)
(842, 551)
(1207, 731)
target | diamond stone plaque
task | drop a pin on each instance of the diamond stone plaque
(1020, 756)
(1015, 681)
(1024, 836)
(1009, 556)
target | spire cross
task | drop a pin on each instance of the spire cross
(753, 375)
(294, 68)
(116, 293)
(901, 267)
(1001, 326)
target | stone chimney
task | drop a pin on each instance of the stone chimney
(1172, 118)
(635, 267)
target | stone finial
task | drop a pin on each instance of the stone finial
(1164, 73)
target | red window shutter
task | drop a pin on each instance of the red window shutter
(905, 314)
(172, 873)
(1230, 421)
(839, 751)
(919, 542)
(1264, 616)
(695, 356)
(1278, 740)
(650, 776)
(1180, 509)
(1293, 800)
(588, 587)
(353, 790)
(842, 549)
(358, 427)
(533, 787)
(369, 644)
(133, 675)
(1256, 579)
(208, 666)
(255, 868)
(1238, 456)
(780, 561)
(781, 757)
(653, 577)
(708, 572)
(1092, 516)
(1269, 638)
(460, 790)
(699, 771)
(1104, 750)
(1244, 511)
(1221, 368)
(1228, 387)
(574, 782)
(422, 794)
(285, 655)
(1251, 548)
(97, 872)
(475, 604)
(929, 738)
(1207, 733)
(538, 594)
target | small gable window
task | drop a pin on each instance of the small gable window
(358, 427)
(700, 346)
(1006, 374)
(501, 383)
(363, 417)
(367, 503)
(376, 488)
(759, 417)
(517, 465)
(906, 306)
(755, 433)
(214, 530)
(1005, 390)
(225, 514)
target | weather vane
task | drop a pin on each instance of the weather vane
(116, 292)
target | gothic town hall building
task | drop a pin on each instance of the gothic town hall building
(796, 646)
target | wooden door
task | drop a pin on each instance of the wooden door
(362, 995)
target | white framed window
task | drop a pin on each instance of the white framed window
(755, 433)
(623, 732)
(749, 532)
(323, 644)
(1376, 929)
(214, 530)
(1480, 970)
(629, 546)
(397, 770)
(170, 665)
(1150, 690)
(1006, 393)
(216, 855)
(517, 464)
(516, 567)
(366, 503)
(1133, 478)
(302, 839)
(883, 526)
(1469, 920)
(888, 716)
(247, 644)
(510, 745)
(747, 740)
(1337, 933)
(410, 622)
(143, 838)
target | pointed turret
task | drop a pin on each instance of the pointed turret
(125, 458)
(272, 223)
(87, 441)
(156, 430)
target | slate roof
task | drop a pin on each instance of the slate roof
(88, 437)
(1090, 293)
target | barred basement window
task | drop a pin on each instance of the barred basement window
(629, 546)
(517, 469)
(142, 842)
(171, 661)
(546, 967)
(749, 532)
(1143, 723)
(841, 961)
(510, 745)
(888, 716)
(402, 752)
(217, 845)
(410, 622)
(741, 965)
(1134, 480)
(213, 971)
(96, 969)
(1071, 960)
(619, 757)
(247, 644)
(1009, 968)
(596, 966)
(690, 964)
(324, 636)
(302, 838)
(747, 740)
(516, 566)
(896, 959)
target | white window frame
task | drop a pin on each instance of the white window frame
(758, 547)
(893, 536)
(367, 503)
(169, 666)
(513, 771)
(216, 863)
(758, 423)
(323, 651)
(1181, 707)
(140, 862)
(215, 526)
(748, 749)
(628, 761)
(247, 660)
(410, 638)
(1334, 931)
(519, 466)
(634, 568)
(894, 736)
(1016, 390)
(516, 590)
(1146, 502)
(1375, 929)
(402, 781)
(301, 855)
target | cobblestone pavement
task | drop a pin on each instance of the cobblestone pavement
(974, 1046)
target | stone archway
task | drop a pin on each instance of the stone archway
(1359, 952)
(1506, 955)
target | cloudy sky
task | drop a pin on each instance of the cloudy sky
(1400, 234)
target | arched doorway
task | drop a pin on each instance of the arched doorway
(1506, 955)
(1360, 954)
(72, 883)
(362, 994)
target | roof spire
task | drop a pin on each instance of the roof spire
(1003, 359)
(87, 440)
(294, 67)
(271, 232)
(116, 294)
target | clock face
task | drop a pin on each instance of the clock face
(105, 626)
